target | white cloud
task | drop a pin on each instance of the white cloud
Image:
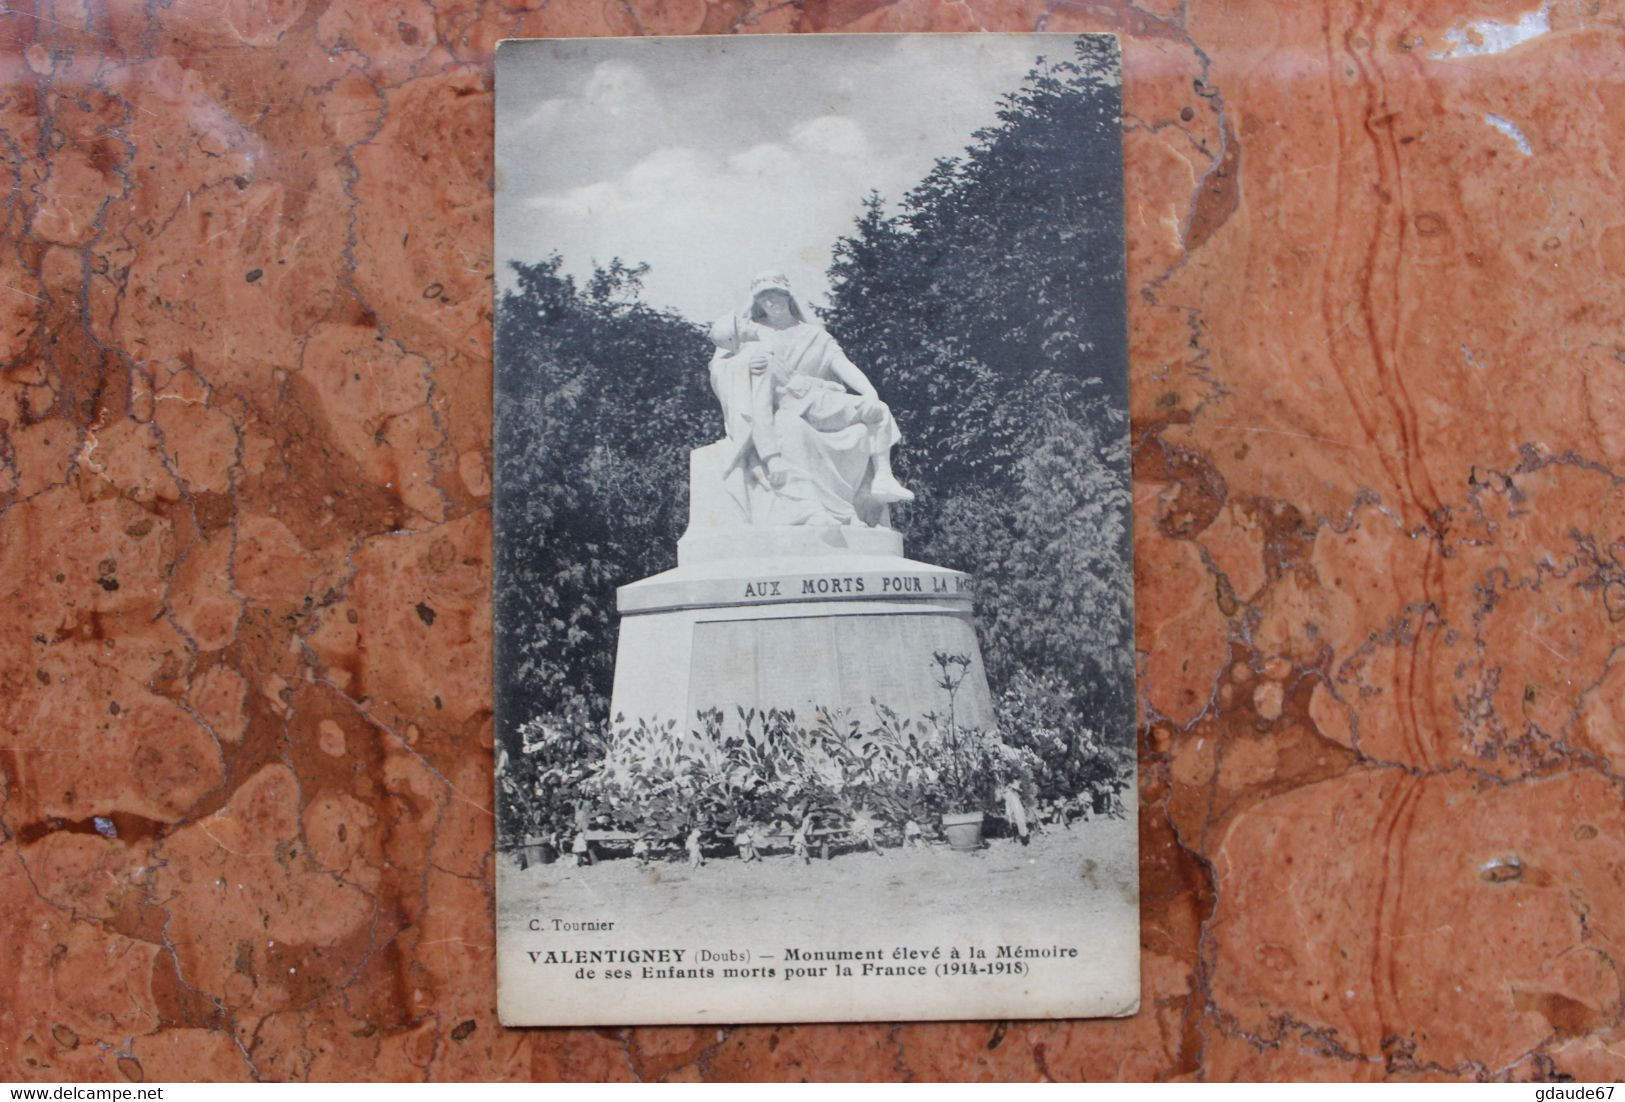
(547, 113)
(613, 90)
(615, 87)
(767, 159)
(706, 224)
(831, 135)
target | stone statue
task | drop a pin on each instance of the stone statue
(791, 590)
(808, 439)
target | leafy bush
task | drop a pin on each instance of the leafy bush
(659, 781)
(600, 398)
(1038, 715)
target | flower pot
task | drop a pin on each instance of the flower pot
(534, 851)
(964, 830)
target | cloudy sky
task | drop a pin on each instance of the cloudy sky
(715, 158)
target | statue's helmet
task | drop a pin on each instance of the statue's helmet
(774, 281)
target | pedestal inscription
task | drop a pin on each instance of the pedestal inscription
(905, 581)
(835, 639)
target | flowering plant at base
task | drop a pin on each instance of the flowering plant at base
(658, 781)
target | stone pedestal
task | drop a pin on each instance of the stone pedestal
(795, 618)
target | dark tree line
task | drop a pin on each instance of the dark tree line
(988, 310)
(599, 399)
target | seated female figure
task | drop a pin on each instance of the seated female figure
(806, 428)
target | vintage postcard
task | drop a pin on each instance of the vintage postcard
(814, 626)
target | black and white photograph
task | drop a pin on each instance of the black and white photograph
(813, 597)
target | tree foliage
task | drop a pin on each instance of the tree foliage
(599, 401)
(989, 311)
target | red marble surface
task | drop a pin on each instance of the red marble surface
(245, 548)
